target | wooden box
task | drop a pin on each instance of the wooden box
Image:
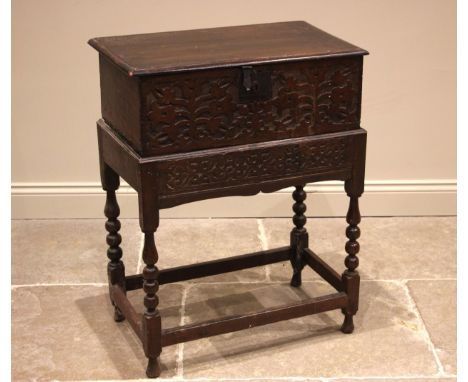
(243, 85)
(236, 86)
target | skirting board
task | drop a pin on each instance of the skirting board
(381, 198)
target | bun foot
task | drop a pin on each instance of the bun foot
(296, 280)
(348, 324)
(118, 316)
(154, 368)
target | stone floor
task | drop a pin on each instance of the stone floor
(405, 329)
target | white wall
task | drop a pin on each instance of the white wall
(409, 100)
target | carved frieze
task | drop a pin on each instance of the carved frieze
(235, 167)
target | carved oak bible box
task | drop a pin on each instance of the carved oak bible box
(207, 113)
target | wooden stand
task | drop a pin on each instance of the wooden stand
(148, 326)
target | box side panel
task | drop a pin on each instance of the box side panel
(120, 102)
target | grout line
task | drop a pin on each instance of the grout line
(181, 347)
(396, 281)
(323, 379)
(267, 379)
(262, 234)
(426, 335)
(140, 253)
(264, 242)
(411, 279)
(286, 379)
(268, 273)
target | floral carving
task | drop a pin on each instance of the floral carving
(233, 168)
(200, 110)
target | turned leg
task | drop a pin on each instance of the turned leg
(149, 221)
(299, 235)
(115, 267)
(350, 276)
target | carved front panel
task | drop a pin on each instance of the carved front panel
(198, 110)
(232, 168)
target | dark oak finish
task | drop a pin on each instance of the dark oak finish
(309, 82)
(115, 267)
(190, 111)
(299, 235)
(120, 299)
(240, 170)
(351, 276)
(323, 269)
(157, 53)
(214, 267)
(208, 113)
(234, 323)
(151, 327)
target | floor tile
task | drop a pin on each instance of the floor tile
(391, 248)
(68, 251)
(187, 241)
(437, 302)
(68, 333)
(51, 340)
(388, 341)
(325, 239)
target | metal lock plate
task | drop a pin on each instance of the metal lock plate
(255, 84)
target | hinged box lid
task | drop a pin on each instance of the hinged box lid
(155, 53)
